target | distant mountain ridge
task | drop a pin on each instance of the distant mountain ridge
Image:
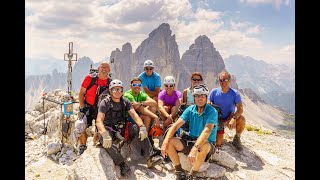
(273, 83)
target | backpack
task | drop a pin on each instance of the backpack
(219, 111)
(100, 89)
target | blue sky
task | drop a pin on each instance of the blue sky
(262, 29)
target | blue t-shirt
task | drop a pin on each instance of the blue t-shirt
(227, 102)
(197, 122)
(151, 82)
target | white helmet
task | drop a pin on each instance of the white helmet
(200, 89)
(148, 63)
(115, 82)
(169, 80)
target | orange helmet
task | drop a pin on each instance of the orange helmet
(155, 131)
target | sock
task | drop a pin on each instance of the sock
(178, 167)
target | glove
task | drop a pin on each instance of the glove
(82, 112)
(80, 115)
(107, 141)
(142, 133)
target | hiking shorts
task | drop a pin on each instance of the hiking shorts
(221, 126)
(131, 120)
(187, 146)
(169, 107)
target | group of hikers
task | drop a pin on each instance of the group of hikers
(191, 122)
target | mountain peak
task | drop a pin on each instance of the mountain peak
(163, 29)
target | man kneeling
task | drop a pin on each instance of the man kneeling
(113, 125)
(199, 144)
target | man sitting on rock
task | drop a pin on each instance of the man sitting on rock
(113, 124)
(199, 144)
(143, 105)
(228, 99)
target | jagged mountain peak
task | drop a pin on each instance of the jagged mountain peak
(163, 29)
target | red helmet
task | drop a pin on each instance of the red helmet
(155, 131)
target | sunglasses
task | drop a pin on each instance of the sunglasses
(200, 95)
(194, 79)
(224, 80)
(148, 68)
(169, 85)
(134, 85)
(117, 90)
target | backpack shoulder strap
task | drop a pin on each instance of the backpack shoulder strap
(94, 78)
(109, 81)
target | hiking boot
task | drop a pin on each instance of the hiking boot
(82, 148)
(237, 143)
(154, 160)
(180, 175)
(156, 151)
(124, 169)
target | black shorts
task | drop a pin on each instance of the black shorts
(187, 146)
(91, 114)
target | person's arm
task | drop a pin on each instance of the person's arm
(82, 92)
(239, 110)
(148, 92)
(135, 117)
(235, 116)
(99, 123)
(184, 97)
(149, 102)
(203, 138)
(175, 110)
(157, 91)
(175, 126)
(161, 108)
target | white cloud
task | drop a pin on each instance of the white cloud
(238, 25)
(98, 27)
(231, 42)
(253, 30)
(275, 3)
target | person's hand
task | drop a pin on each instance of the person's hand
(135, 105)
(157, 122)
(143, 133)
(168, 121)
(107, 140)
(232, 123)
(164, 148)
(192, 155)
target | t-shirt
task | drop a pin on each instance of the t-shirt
(197, 121)
(116, 114)
(169, 100)
(152, 82)
(227, 102)
(139, 98)
(91, 93)
(190, 99)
